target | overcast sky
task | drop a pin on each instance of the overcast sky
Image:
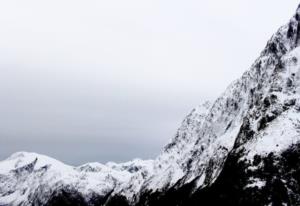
(99, 80)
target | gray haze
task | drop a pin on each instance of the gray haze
(112, 80)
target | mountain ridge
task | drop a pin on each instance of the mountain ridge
(242, 149)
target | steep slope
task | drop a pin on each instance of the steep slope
(241, 150)
(33, 179)
(251, 136)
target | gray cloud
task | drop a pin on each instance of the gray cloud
(112, 80)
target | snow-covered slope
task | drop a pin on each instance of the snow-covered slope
(25, 174)
(245, 144)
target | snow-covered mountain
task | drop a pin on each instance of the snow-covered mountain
(242, 149)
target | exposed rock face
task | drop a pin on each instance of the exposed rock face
(243, 149)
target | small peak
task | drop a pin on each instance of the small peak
(91, 167)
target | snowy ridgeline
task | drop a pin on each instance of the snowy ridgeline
(257, 115)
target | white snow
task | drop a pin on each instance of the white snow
(255, 182)
(204, 139)
(277, 137)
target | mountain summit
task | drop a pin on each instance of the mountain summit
(243, 149)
